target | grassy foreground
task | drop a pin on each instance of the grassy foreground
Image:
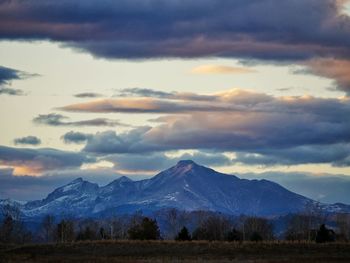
(170, 251)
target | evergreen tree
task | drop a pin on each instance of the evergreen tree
(234, 235)
(183, 235)
(65, 231)
(147, 230)
(324, 235)
(255, 236)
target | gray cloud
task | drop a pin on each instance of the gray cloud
(75, 137)
(263, 129)
(12, 92)
(336, 154)
(129, 142)
(88, 95)
(39, 160)
(31, 140)
(336, 69)
(7, 75)
(241, 29)
(144, 29)
(53, 119)
(144, 92)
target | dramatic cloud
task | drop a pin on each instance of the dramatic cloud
(88, 95)
(242, 29)
(263, 129)
(36, 161)
(53, 119)
(75, 137)
(217, 69)
(232, 100)
(30, 140)
(129, 142)
(339, 70)
(145, 29)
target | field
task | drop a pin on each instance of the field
(170, 251)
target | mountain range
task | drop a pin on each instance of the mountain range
(185, 186)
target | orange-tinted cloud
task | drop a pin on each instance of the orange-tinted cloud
(244, 121)
(219, 69)
(336, 69)
(36, 161)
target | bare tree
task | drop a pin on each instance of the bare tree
(65, 231)
(315, 216)
(257, 228)
(48, 227)
(215, 227)
(299, 228)
(343, 224)
(12, 229)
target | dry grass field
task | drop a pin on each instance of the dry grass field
(170, 251)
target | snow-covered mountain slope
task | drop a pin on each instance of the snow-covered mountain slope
(186, 186)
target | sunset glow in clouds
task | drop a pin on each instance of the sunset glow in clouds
(104, 88)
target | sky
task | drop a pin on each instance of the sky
(100, 89)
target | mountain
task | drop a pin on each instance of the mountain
(186, 186)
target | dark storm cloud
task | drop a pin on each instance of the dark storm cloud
(267, 29)
(38, 160)
(53, 119)
(31, 140)
(75, 137)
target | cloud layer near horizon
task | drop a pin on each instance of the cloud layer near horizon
(37, 161)
(264, 129)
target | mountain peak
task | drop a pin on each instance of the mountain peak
(78, 180)
(185, 163)
(124, 179)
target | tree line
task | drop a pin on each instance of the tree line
(172, 224)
